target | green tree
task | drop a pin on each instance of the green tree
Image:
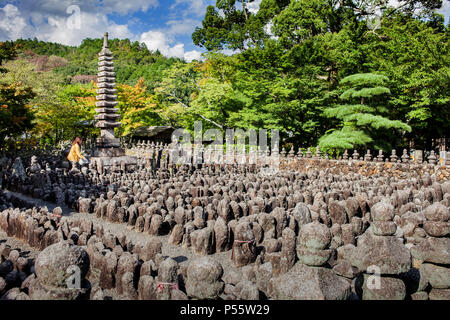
(15, 113)
(363, 121)
(137, 107)
(7, 52)
(414, 55)
(58, 109)
(71, 115)
(175, 91)
(191, 92)
(44, 84)
(218, 102)
(231, 25)
(303, 19)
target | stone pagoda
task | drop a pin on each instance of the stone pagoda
(107, 113)
(108, 151)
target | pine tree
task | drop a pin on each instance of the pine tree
(7, 52)
(362, 119)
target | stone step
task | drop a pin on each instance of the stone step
(106, 91)
(107, 116)
(106, 104)
(107, 97)
(107, 110)
(105, 68)
(101, 85)
(106, 63)
(106, 79)
(108, 149)
(107, 124)
(105, 57)
(106, 74)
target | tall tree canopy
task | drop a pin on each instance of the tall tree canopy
(137, 107)
(291, 56)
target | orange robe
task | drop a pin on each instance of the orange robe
(75, 153)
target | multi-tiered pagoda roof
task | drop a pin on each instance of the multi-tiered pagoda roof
(107, 112)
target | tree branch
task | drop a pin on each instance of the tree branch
(244, 9)
(211, 121)
(201, 116)
(178, 100)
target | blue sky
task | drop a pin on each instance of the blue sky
(160, 24)
(165, 25)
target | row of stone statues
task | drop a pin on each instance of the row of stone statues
(147, 149)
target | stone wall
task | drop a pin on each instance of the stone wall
(367, 168)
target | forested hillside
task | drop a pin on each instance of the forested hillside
(61, 80)
(132, 60)
(322, 72)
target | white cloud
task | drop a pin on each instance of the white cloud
(196, 7)
(230, 52)
(49, 20)
(181, 27)
(92, 26)
(158, 40)
(176, 51)
(268, 30)
(57, 27)
(183, 21)
(128, 6)
(445, 10)
(12, 24)
(37, 8)
(193, 55)
(253, 7)
(155, 40)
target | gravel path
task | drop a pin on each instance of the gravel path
(40, 203)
